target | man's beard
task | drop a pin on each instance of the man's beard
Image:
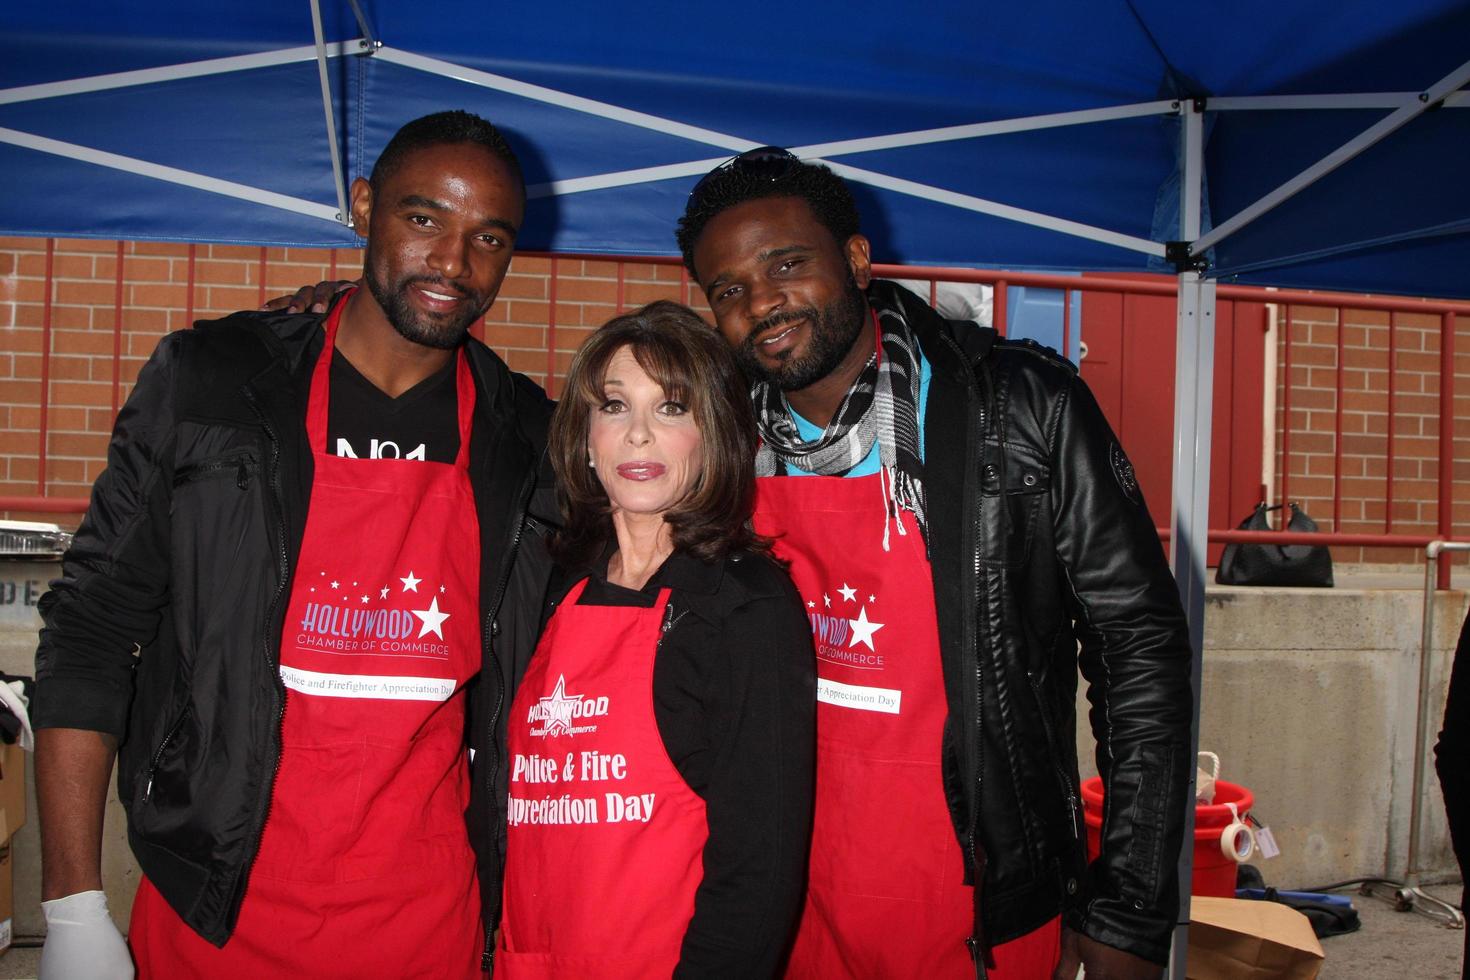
(834, 329)
(441, 333)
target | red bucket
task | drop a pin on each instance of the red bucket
(1214, 873)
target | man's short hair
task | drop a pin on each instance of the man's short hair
(766, 173)
(454, 126)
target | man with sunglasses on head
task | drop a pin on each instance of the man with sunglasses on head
(958, 517)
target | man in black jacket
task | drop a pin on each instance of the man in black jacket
(1036, 538)
(201, 585)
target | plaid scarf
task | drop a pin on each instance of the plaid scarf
(881, 406)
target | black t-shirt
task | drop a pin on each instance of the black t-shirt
(365, 423)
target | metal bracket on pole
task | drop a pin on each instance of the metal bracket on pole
(1178, 254)
(339, 181)
(1407, 895)
(369, 43)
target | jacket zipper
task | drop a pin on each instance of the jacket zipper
(273, 628)
(488, 633)
(975, 943)
(158, 753)
(219, 466)
(1051, 744)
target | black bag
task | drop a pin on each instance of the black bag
(1275, 564)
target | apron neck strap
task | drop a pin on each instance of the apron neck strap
(317, 399)
(658, 608)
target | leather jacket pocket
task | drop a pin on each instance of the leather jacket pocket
(1010, 532)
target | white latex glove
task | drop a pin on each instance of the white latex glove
(81, 941)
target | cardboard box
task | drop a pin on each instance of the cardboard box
(1240, 939)
(12, 816)
(12, 790)
(7, 898)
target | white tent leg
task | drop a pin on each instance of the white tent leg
(1194, 379)
(1194, 373)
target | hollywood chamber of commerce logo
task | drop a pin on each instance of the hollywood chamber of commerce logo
(558, 712)
(349, 616)
(841, 628)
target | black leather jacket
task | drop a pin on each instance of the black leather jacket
(1072, 556)
(164, 627)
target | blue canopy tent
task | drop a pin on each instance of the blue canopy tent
(1265, 142)
(981, 134)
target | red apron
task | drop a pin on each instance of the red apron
(886, 894)
(605, 843)
(365, 867)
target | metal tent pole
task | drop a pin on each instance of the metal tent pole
(339, 182)
(1407, 895)
(1194, 374)
(1437, 908)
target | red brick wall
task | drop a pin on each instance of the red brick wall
(1365, 423)
(155, 297)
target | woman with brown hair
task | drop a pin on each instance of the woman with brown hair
(660, 745)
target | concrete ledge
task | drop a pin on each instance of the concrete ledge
(1309, 698)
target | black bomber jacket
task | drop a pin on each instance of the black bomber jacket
(1072, 556)
(176, 585)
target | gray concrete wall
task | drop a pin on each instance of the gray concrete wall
(1309, 698)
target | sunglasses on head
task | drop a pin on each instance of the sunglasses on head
(766, 162)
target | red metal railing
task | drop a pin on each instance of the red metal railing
(1000, 281)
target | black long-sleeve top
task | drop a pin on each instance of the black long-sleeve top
(734, 690)
(1452, 760)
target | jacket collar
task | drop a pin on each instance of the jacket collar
(973, 342)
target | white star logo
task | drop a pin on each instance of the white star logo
(810, 604)
(383, 594)
(410, 584)
(862, 630)
(441, 588)
(848, 592)
(827, 600)
(433, 619)
(335, 583)
(558, 708)
(872, 598)
(364, 600)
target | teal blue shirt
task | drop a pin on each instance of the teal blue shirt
(869, 465)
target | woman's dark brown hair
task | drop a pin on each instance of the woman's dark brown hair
(694, 367)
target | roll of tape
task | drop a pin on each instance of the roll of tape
(1238, 841)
